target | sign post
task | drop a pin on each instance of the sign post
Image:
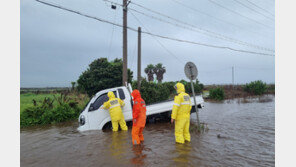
(191, 73)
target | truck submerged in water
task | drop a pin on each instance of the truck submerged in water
(95, 118)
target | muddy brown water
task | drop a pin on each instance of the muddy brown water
(246, 128)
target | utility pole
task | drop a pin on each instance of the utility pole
(139, 58)
(232, 76)
(232, 80)
(124, 54)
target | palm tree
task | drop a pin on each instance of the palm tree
(149, 71)
(159, 70)
(73, 85)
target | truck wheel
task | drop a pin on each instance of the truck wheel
(108, 125)
(151, 120)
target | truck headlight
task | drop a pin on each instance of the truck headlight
(82, 120)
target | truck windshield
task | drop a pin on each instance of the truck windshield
(101, 100)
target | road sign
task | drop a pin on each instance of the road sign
(190, 71)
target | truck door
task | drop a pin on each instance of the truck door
(124, 95)
(97, 115)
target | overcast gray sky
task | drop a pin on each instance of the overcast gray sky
(57, 46)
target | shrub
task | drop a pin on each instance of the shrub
(256, 87)
(271, 88)
(46, 113)
(100, 75)
(197, 86)
(217, 94)
(156, 92)
(153, 92)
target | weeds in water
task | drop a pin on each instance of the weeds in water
(264, 99)
(199, 129)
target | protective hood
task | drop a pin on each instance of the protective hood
(179, 87)
(111, 95)
(136, 94)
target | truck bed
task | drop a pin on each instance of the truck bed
(164, 106)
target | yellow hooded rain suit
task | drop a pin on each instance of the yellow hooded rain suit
(114, 105)
(181, 114)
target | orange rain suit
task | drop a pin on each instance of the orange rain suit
(139, 117)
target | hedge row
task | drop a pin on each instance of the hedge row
(217, 94)
(156, 92)
(253, 88)
(256, 87)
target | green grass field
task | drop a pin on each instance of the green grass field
(26, 99)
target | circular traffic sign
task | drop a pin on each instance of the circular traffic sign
(190, 70)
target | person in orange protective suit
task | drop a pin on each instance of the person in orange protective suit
(114, 106)
(139, 117)
(181, 114)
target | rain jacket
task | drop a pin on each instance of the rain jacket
(181, 113)
(114, 105)
(139, 109)
(182, 104)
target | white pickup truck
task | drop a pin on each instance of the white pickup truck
(94, 118)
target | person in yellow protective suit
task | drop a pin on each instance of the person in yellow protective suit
(114, 105)
(181, 114)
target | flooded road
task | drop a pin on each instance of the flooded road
(247, 138)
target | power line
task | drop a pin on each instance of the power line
(134, 55)
(260, 7)
(253, 10)
(249, 68)
(216, 71)
(158, 41)
(160, 36)
(110, 43)
(208, 45)
(218, 19)
(197, 29)
(239, 14)
(206, 32)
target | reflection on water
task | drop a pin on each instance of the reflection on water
(118, 146)
(183, 153)
(246, 139)
(139, 157)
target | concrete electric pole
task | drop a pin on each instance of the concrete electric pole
(124, 54)
(139, 58)
(232, 76)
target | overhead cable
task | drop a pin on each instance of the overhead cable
(254, 10)
(110, 43)
(196, 29)
(218, 19)
(206, 32)
(167, 50)
(239, 14)
(260, 7)
(160, 36)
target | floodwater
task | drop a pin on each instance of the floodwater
(246, 128)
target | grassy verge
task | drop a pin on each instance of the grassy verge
(48, 108)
